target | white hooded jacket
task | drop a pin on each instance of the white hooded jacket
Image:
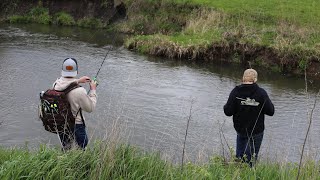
(78, 98)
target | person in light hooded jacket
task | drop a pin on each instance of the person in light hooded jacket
(79, 101)
(248, 103)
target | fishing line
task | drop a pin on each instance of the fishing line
(105, 57)
(112, 43)
(95, 77)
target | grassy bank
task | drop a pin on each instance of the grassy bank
(283, 36)
(280, 35)
(41, 15)
(102, 162)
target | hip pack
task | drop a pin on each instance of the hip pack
(55, 110)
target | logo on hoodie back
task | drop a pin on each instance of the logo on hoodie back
(248, 102)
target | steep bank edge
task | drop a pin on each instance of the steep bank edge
(230, 47)
(286, 61)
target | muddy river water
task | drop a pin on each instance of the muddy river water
(142, 100)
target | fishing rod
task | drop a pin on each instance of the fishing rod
(113, 41)
(104, 59)
(95, 79)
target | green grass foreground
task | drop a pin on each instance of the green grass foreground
(124, 162)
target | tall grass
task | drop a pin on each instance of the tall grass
(286, 31)
(304, 13)
(124, 162)
(41, 15)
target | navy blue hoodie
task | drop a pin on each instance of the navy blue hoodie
(248, 103)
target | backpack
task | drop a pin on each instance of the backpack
(55, 110)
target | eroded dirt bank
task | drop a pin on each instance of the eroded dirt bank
(149, 22)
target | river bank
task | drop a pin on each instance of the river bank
(124, 162)
(145, 94)
(251, 33)
(151, 96)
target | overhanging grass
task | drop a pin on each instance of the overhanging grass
(287, 29)
(124, 162)
(201, 31)
(257, 28)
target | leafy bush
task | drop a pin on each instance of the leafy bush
(63, 18)
(303, 64)
(43, 19)
(40, 15)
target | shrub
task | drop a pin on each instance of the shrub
(40, 15)
(62, 18)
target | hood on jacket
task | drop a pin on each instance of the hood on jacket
(62, 83)
(247, 90)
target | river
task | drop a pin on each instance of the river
(144, 101)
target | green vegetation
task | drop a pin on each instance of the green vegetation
(282, 35)
(148, 17)
(41, 15)
(63, 18)
(19, 19)
(301, 13)
(272, 33)
(123, 162)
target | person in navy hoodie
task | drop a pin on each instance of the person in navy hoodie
(248, 103)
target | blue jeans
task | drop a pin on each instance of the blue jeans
(78, 133)
(248, 147)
